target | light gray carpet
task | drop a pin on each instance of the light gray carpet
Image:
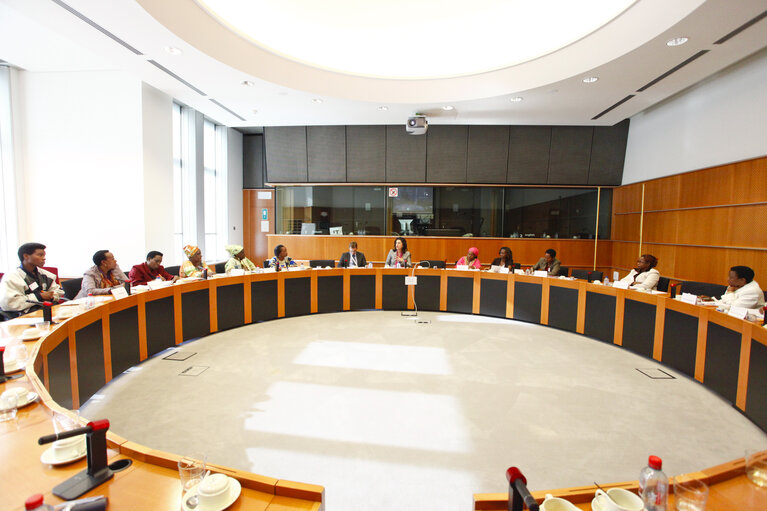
(390, 414)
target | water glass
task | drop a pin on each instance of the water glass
(690, 495)
(756, 467)
(191, 470)
(8, 407)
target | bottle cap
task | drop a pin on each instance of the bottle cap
(47, 304)
(655, 462)
(34, 501)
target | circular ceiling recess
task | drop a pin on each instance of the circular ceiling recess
(406, 39)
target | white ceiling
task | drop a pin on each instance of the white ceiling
(626, 53)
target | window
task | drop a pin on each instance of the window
(8, 220)
(178, 188)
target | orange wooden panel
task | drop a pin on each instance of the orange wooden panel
(213, 305)
(627, 199)
(700, 351)
(660, 322)
(747, 226)
(703, 226)
(745, 359)
(661, 227)
(106, 340)
(476, 296)
(142, 342)
(545, 302)
(626, 227)
(620, 301)
(706, 187)
(749, 181)
(662, 193)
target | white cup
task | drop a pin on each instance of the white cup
(551, 503)
(19, 392)
(618, 499)
(69, 447)
(213, 491)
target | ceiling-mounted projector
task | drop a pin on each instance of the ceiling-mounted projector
(416, 125)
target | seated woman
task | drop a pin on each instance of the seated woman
(281, 260)
(399, 257)
(238, 261)
(471, 259)
(195, 266)
(505, 258)
(644, 276)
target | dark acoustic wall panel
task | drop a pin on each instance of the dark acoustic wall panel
(405, 156)
(756, 398)
(608, 152)
(488, 154)
(123, 336)
(529, 154)
(427, 293)
(298, 299)
(90, 360)
(722, 361)
(366, 154)
(639, 327)
(680, 341)
(330, 294)
(570, 155)
(460, 294)
(160, 330)
(600, 317)
(527, 302)
(326, 152)
(195, 314)
(394, 292)
(362, 292)
(563, 308)
(446, 148)
(263, 300)
(285, 154)
(253, 161)
(230, 306)
(60, 377)
(492, 298)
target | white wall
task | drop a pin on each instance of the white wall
(234, 165)
(719, 121)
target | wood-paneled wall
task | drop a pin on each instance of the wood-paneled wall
(698, 224)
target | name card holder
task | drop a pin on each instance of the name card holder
(540, 273)
(690, 298)
(620, 285)
(119, 292)
(495, 268)
(237, 272)
(504, 269)
(738, 312)
(519, 272)
(463, 267)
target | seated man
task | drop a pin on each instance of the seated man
(548, 262)
(100, 278)
(742, 290)
(24, 288)
(238, 260)
(352, 258)
(152, 269)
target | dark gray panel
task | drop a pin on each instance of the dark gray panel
(330, 294)
(446, 148)
(123, 337)
(563, 308)
(326, 149)
(639, 327)
(488, 154)
(527, 302)
(600, 317)
(405, 156)
(394, 292)
(253, 161)
(680, 341)
(285, 154)
(263, 300)
(195, 314)
(570, 155)
(60, 375)
(90, 360)
(722, 361)
(362, 292)
(366, 154)
(230, 306)
(492, 297)
(756, 397)
(460, 294)
(608, 151)
(427, 293)
(298, 296)
(160, 327)
(529, 154)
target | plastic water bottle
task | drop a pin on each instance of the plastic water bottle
(653, 485)
(607, 281)
(35, 502)
(90, 302)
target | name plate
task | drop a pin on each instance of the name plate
(738, 312)
(504, 269)
(540, 273)
(237, 272)
(519, 272)
(689, 298)
(461, 266)
(495, 268)
(119, 292)
(620, 285)
(411, 281)
(270, 270)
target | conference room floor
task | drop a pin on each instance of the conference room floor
(390, 413)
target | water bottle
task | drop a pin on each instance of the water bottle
(607, 281)
(653, 485)
(36, 502)
(90, 302)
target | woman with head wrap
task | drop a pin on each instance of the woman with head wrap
(195, 265)
(238, 260)
(471, 259)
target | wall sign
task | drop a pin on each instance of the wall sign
(393, 191)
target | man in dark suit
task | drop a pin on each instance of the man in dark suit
(352, 258)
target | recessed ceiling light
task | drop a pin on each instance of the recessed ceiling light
(248, 83)
(383, 108)
(317, 100)
(677, 41)
(448, 107)
(255, 111)
(590, 79)
(173, 50)
(516, 99)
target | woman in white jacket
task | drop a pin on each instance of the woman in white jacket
(644, 276)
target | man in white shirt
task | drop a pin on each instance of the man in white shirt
(25, 288)
(742, 290)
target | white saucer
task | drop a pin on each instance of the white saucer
(595, 506)
(31, 334)
(13, 366)
(31, 398)
(234, 493)
(49, 457)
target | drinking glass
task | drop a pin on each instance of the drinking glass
(690, 495)
(8, 407)
(756, 467)
(191, 468)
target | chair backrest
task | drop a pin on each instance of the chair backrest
(72, 287)
(53, 270)
(580, 274)
(596, 275)
(663, 283)
(517, 266)
(1, 276)
(564, 271)
(432, 263)
(173, 270)
(266, 263)
(220, 267)
(321, 263)
(703, 288)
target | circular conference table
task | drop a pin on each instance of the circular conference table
(81, 354)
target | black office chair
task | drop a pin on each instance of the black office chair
(220, 267)
(173, 270)
(703, 288)
(517, 266)
(432, 263)
(596, 275)
(71, 287)
(587, 275)
(266, 263)
(321, 263)
(564, 271)
(663, 283)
